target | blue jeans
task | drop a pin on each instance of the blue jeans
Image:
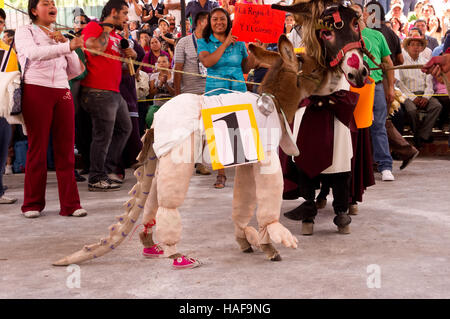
(5, 137)
(381, 153)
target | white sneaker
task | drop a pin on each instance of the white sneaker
(7, 200)
(79, 213)
(8, 170)
(32, 214)
(387, 176)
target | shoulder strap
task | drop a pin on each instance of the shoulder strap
(195, 42)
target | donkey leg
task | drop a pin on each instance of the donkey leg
(244, 204)
(269, 192)
(172, 180)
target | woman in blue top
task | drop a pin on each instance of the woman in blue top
(224, 57)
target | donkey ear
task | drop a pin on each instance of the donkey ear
(264, 56)
(286, 50)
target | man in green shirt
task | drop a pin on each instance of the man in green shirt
(384, 94)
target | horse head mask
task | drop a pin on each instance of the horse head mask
(332, 36)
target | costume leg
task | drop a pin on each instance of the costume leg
(174, 173)
(269, 192)
(244, 205)
(150, 209)
(307, 210)
(340, 184)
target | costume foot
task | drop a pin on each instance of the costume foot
(305, 210)
(342, 221)
(271, 252)
(321, 203)
(344, 230)
(184, 262)
(307, 228)
(353, 209)
(153, 252)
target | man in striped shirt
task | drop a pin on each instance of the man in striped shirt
(422, 109)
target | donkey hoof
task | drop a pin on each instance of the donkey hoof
(344, 229)
(307, 229)
(321, 203)
(248, 250)
(277, 257)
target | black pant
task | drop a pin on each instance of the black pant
(338, 182)
(111, 127)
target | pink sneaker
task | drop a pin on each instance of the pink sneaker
(153, 252)
(184, 262)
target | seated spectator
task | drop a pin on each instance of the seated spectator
(427, 52)
(422, 26)
(422, 109)
(151, 57)
(8, 36)
(134, 29)
(164, 34)
(146, 27)
(397, 12)
(397, 27)
(161, 82)
(134, 10)
(173, 30)
(144, 41)
(161, 88)
(188, 29)
(434, 28)
(417, 13)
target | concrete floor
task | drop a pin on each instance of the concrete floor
(399, 247)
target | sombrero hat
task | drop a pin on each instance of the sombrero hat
(414, 36)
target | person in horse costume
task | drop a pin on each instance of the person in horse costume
(324, 121)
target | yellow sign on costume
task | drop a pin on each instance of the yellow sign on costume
(232, 135)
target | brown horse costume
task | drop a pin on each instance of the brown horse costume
(324, 120)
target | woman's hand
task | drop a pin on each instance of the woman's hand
(58, 36)
(76, 43)
(231, 39)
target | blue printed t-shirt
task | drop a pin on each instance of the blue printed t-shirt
(229, 66)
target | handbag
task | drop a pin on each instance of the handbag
(16, 108)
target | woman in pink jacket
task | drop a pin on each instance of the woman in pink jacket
(48, 61)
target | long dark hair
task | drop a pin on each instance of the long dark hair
(32, 4)
(208, 30)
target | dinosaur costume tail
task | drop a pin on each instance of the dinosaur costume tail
(133, 208)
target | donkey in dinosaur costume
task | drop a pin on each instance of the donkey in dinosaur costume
(322, 124)
(164, 176)
(162, 183)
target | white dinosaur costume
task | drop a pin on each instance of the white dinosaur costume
(183, 115)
